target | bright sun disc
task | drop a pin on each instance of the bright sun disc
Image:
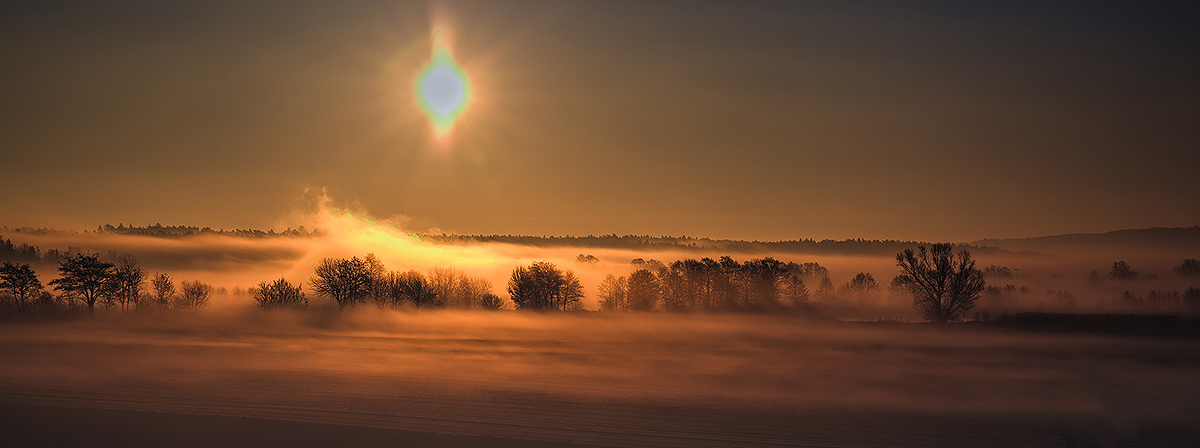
(443, 90)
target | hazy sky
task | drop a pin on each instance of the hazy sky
(743, 119)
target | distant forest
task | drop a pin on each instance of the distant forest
(857, 246)
(25, 253)
(160, 230)
(1159, 237)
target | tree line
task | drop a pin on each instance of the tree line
(159, 230)
(357, 281)
(857, 246)
(1189, 268)
(710, 285)
(944, 285)
(25, 253)
(86, 280)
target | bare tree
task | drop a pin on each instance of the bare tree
(193, 295)
(825, 290)
(542, 286)
(411, 288)
(997, 271)
(813, 274)
(125, 282)
(346, 281)
(642, 292)
(83, 275)
(1189, 268)
(944, 285)
(444, 283)
(612, 293)
(279, 294)
(472, 290)
(491, 301)
(862, 285)
(377, 275)
(164, 290)
(1122, 270)
(794, 289)
(20, 281)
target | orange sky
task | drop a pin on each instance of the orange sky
(767, 120)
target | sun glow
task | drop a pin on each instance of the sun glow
(443, 90)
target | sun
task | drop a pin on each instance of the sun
(443, 90)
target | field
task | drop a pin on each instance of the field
(447, 378)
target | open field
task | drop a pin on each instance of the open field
(606, 379)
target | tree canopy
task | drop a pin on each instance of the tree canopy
(543, 286)
(944, 285)
(83, 275)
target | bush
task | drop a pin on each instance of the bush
(279, 294)
(193, 295)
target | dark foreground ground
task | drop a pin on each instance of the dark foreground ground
(45, 426)
(496, 380)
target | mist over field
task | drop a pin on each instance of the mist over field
(546, 223)
(1040, 269)
(843, 366)
(619, 379)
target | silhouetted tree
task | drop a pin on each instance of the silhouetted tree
(1122, 270)
(20, 281)
(1130, 298)
(673, 291)
(491, 301)
(472, 290)
(1156, 297)
(84, 276)
(651, 265)
(997, 271)
(794, 289)
(377, 277)
(1191, 297)
(125, 282)
(732, 284)
(612, 293)
(411, 288)
(46, 301)
(944, 286)
(347, 281)
(586, 259)
(825, 289)
(164, 290)
(695, 282)
(444, 283)
(1189, 268)
(813, 274)
(542, 286)
(280, 294)
(763, 277)
(862, 283)
(193, 295)
(641, 292)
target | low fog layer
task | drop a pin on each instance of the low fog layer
(620, 378)
(1059, 278)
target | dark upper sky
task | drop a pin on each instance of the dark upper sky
(747, 119)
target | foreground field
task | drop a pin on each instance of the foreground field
(494, 379)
